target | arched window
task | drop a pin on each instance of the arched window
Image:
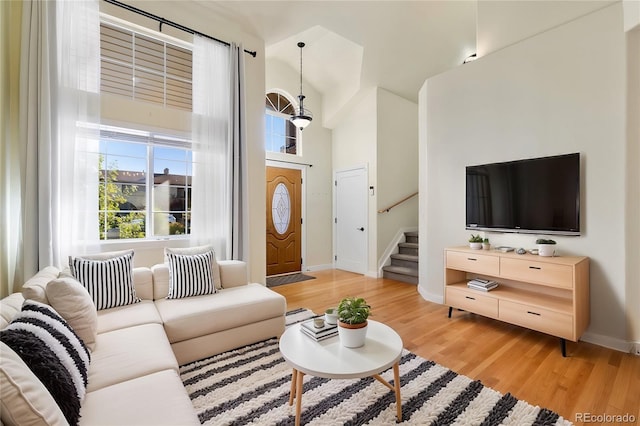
(281, 135)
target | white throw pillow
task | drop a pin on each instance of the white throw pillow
(24, 400)
(190, 275)
(108, 277)
(72, 301)
(215, 268)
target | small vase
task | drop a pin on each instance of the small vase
(331, 318)
(548, 250)
(352, 335)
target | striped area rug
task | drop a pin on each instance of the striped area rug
(250, 385)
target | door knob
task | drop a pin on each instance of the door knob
(360, 229)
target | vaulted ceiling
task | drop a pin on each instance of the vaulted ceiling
(353, 45)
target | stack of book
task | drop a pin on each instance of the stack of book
(482, 285)
(317, 334)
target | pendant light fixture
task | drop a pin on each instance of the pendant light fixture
(303, 117)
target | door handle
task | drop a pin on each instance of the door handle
(360, 229)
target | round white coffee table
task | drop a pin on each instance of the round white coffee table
(329, 359)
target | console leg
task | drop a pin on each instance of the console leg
(450, 310)
(563, 347)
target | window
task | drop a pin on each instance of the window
(144, 68)
(281, 134)
(145, 176)
(135, 203)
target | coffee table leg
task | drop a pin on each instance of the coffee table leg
(299, 396)
(396, 383)
(294, 376)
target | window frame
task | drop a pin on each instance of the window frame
(280, 114)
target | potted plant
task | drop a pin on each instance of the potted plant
(475, 242)
(546, 247)
(331, 316)
(485, 244)
(352, 321)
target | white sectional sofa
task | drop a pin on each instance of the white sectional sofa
(133, 376)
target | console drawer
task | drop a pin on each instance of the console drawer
(472, 301)
(550, 274)
(546, 321)
(471, 262)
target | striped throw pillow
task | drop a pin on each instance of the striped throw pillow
(108, 281)
(53, 352)
(190, 275)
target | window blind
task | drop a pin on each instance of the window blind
(143, 68)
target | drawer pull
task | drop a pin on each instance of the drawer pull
(534, 313)
(471, 258)
(535, 267)
(470, 298)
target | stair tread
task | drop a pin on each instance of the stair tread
(409, 245)
(411, 233)
(409, 257)
(401, 270)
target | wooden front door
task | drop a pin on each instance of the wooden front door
(284, 218)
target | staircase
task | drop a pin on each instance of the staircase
(404, 264)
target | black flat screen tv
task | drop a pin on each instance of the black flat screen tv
(536, 196)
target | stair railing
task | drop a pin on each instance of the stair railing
(398, 203)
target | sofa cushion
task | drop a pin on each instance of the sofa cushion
(53, 352)
(128, 353)
(119, 317)
(72, 301)
(10, 306)
(190, 275)
(23, 398)
(154, 399)
(201, 315)
(108, 280)
(187, 251)
(35, 286)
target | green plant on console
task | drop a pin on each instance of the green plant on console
(475, 238)
(353, 310)
(543, 241)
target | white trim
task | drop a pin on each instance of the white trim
(430, 297)
(635, 348)
(608, 342)
(324, 267)
(392, 248)
(303, 203)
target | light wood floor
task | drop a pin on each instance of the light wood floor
(507, 358)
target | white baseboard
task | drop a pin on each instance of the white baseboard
(430, 297)
(319, 267)
(635, 348)
(610, 342)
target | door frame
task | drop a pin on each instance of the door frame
(303, 202)
(365, 169)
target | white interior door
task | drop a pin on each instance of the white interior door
(351, 225)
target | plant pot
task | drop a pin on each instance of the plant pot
(547, 250)
(331, 318)
(486, 246)
(475, 246)
(352, 335)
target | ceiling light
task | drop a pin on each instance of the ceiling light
(303, 117)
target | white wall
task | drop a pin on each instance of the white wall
(560, 91)
(315, 149)
(397, 147)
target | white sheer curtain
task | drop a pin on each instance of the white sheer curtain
(59, 114)
(211, 195)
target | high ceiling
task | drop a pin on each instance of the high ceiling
(353, 45)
